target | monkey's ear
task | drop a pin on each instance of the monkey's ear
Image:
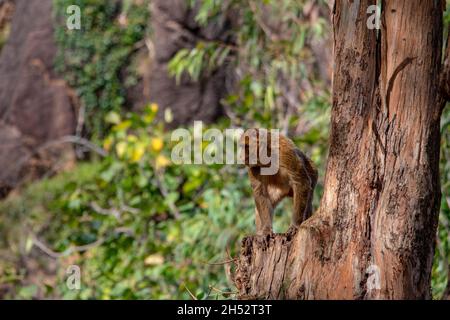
(252, 133)
(243, 141)
(250, 136)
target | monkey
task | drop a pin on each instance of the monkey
(296, 177)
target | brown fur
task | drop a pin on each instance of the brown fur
(296, 178)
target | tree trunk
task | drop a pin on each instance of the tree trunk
(373, 236)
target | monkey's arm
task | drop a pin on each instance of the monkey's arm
(264, 209)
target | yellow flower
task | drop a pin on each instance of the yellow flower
(154, 260)
(148, 118)
(122, 126)
(161, 162)
(154, 107)
(157, 144)
(121, 148)
(106, 295)
(168, 115)
(171, 237)
(138, 152)
(132, 138)
(107, 143)
(113, 117)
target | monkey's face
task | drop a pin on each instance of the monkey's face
(248, 138)
(250, 143)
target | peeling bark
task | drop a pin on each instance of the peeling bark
(373, 236)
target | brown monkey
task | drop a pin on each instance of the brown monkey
(295, 176)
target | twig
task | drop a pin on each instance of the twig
(123, 206)
(273, 37)
(223, 292)
(65, 139)
(150, 48)
(56, 255)
(190, 293)
(219, 263)
(132, 210)
(227, 267)
(115, 212)
(75, 140)
(80, 126)
(106, 212)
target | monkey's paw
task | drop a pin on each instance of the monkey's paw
(292, 230)
(265, 233)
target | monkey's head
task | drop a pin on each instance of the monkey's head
(255, 148)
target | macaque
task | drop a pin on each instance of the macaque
(295, 176)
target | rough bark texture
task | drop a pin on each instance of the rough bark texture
(35, 105)
(373, 236)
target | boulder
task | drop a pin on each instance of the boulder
(173, 22)
(36, 106)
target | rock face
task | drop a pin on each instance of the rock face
(35, 105)
(175, 28)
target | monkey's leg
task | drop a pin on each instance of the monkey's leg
(264, 209)
(301, 199)
(313, 178)
(308, 211)
(258, 222)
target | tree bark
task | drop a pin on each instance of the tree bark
(373, 236)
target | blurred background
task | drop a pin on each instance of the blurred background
(86, 116)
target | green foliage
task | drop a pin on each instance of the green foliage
(31, 213)
(202, 60)
(268, 58)
(155, 225)
(442, 257)
(93, 59)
